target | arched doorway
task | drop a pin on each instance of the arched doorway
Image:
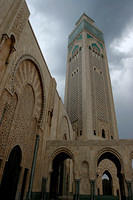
(11, 174)
(107, 183)
(61, 176)
(112, 157)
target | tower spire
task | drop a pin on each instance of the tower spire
(88, 97)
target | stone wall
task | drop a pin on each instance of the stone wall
(29, 102)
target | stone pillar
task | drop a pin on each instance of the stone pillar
(92, 184)
(20, 183)
(44, 183)
(77, 186)
(49, 181)
(33, 168)
(129, 188)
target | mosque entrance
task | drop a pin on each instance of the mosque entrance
(61, 177)
(11, 174)
(112, 185)
(107, 183)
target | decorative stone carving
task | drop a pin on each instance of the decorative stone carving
(6, 49)
(27, 85)
(20, 20)
(7, 109)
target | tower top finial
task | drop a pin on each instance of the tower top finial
(84, 16)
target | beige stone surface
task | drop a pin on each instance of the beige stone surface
(30, 106)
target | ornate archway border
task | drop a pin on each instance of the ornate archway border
(114, 152)
(54, 153)
(62, 149)
(38, 67)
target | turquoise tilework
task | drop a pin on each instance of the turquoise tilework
(84, 25)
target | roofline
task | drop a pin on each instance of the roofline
(89, 19)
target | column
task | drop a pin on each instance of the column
(18, 193)
(92, 184)
(33, 168)
(44, 194)
(129, 188)
(48, 184)
(77, 186)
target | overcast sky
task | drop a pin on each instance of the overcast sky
(53, 21)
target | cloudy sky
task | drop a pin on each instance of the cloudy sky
(53, 21)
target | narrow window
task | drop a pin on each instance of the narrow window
(80, 132)
(103, 133)
(65, 136)
(94, 132)
(50, 115)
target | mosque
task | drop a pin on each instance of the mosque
(50, 149)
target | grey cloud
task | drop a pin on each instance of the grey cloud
(113, 16)
(124, 119)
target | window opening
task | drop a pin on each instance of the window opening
(103, 133)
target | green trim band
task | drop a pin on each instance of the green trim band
(79, 37)
(95, 45)
(84, 25)
(89, 36)
(74, 49)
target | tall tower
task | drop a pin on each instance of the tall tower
(88, 93)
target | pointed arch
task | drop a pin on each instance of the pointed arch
(11, 86)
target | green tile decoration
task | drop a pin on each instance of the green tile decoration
(89, 36)
(76, 32)
(95, 45)
(100, 44)
(84, 25)
(74, 49)
(79, 37)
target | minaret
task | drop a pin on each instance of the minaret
(88, 93)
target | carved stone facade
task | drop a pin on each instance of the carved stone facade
(46, 153)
